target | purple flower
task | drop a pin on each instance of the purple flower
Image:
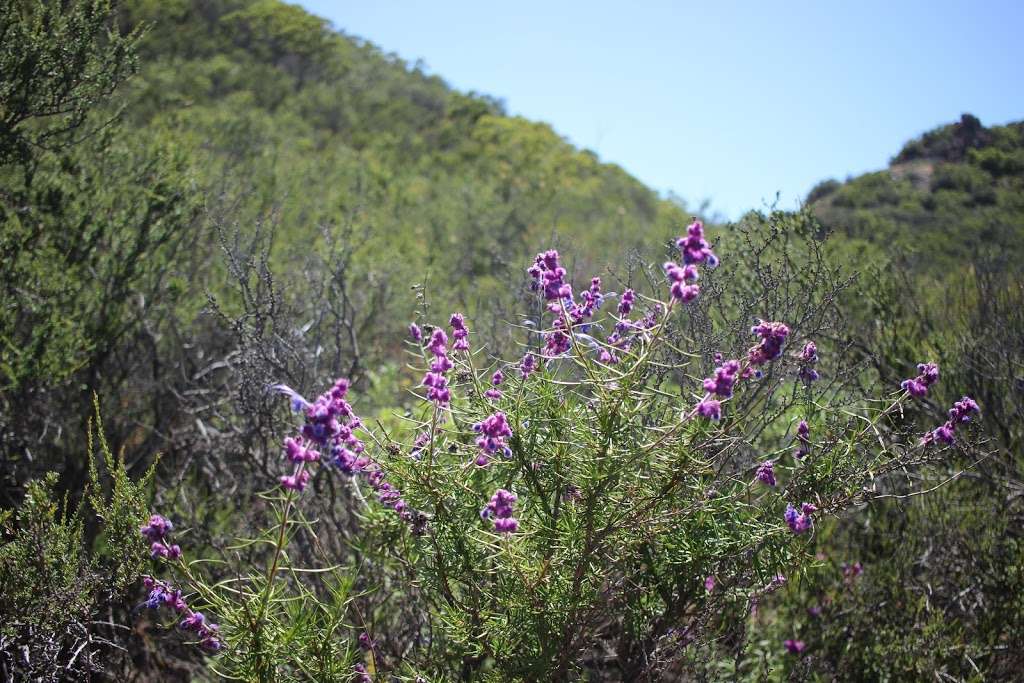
(808, 359)
(958, 414)
(435, 380)
(626, 302)
(459, 332)
(694, 248)
(193, 622)
(725, 376)
(852, 571)
(799, 522)
(962, 409)
(164, 550)
(415, 333)
(500, 509)
(162, 594)
(766, 473)
(682, 278)
(709, 583)
(295, 482)
(710, 408)
(794, 647)
(928, 374)
(157, 528)
(773, 336)
(493, 432)
(528, 365)
(803, 432)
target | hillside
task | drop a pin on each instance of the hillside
(207, 206)
(956, 194)
(331, 130)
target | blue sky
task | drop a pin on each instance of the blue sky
(727, 101)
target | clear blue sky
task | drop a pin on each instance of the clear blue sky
(729, 101)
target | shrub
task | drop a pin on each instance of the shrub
(599, 504)
(61, 569)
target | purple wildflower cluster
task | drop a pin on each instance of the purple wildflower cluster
(494, 392)
(721, 385)
(528, 365)
(694, 249)
(549, 276)
(329, 427)
(493, 431)
(626, 302)
(808, 359)
(459, 332)
(927, 375)
(156, 531)
(803, 438)
(773, 336)
(799, 522)
(725, 377)
(162, 594)
(958, 414)
(682, 279)
(500, 510)
(710, 408)
(794, 647)
(436, 380)
(766, 473)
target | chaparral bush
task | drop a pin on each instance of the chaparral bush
(614, 502)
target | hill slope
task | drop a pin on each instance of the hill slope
(955, 194)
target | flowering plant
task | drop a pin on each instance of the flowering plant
(602, 501)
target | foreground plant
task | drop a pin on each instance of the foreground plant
(606, 507)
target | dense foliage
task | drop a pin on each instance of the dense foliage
(200, 199)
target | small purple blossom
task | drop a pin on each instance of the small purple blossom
(808, 359)
(500, 509)
(799, 521)
(362, 676)
(709, 583)
(694, 248)
(528, 365)
(295, 482)
(435, 380)
(459, 332)
(415, 333)
(766, 473)
(626, 302)
(164, 595)
(493, 432)
(710, 408)
(773, 336)
(803, 433)
(157, 528)
(928, 374)
(794, 647)
(725, 376)
(958, 414)
(682, 279)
